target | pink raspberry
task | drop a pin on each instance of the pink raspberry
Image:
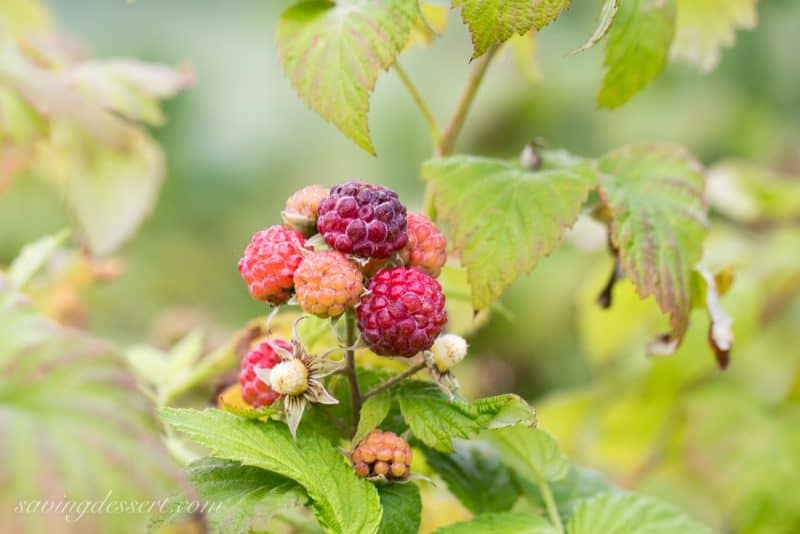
(269, 263)
(403, 312)
(327, 283)
(427, 247)
(363, 219)
(255, 392)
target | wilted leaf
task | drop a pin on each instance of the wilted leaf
(516, 522)
(621, 514)
(333, 54)
(402, 507)
(33, 257)
(607, 16)
(436, 421)
(503, 218)
(704, 27)
(720, 329)
(655, 194)
(531, 452)
(492, 22)
(637, 48)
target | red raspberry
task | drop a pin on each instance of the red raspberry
(269, 262)
(254, 391)
(363, 219)
(327, 283)
(382, 453)
(427, 247)
(403, 312)
(302, 208)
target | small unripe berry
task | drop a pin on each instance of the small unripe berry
(289, 377)
(302, 208)
(426, 248)
(254, 391)
(382, 454)
(448, 350)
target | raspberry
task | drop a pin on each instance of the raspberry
(269, 262)
(403, 312)
(302, 207)
(426, 248)
(382, 453)
(254, 391)
(327, 283)
(363, 219)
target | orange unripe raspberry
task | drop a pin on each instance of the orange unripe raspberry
(382, 454)
(426, 248)
(302, 208)
(327, 283)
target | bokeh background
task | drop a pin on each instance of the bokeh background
(723, 445)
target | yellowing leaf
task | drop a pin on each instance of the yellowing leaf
(492, 22)
(704, 27)
(655, 194)
(502, 218)
(22, 17)
(334, 53)
(430, 24)
(637, 48)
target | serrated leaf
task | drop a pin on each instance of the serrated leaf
(73, 424)
(475, 474)
(622, 514)
(516, 522)
(402, 507)
(238, 497)
(435, 420)
(492, 22)
(333, 54)
(704, 27)
(655, 194)
(637, 49)
(373, 412)
(531, 452)
(33, 257)
(342, 501)
(502, 218)
(607, 15)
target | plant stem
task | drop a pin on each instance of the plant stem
(457, 122)
(350, 369)
(394, 380)
(436, 135)
(552, 510)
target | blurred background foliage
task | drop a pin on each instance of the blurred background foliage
(723, 445)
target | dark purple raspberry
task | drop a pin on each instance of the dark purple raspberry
(363, 219)
(403, 312)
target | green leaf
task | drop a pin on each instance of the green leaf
(655, 194)
(503, 218)
(342, 501)
(607, 16)
(492, 22)
(333, 54)
(33, 257)
(373, 412)
(238, 497)
(622, 514)
(402, 507)
(475, 474)
(753, 194)
(435, 420)
(637, 48)
(579, 484)
(531, 452)
(515, 522)
(74, 424)
(704, 27)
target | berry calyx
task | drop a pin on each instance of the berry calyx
(327, 283)
(426, 248)
(384, 455)
(403, 312)
(363, 219)
(254, 391)
(289, 377)
(269, 263)
(302, 207)
(448, 350)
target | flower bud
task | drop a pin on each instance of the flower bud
(447, 351)
(289, 377)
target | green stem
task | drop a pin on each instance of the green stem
(457, 122)
(394, 380)
(350, 369)
(552, 510)
(436, 135)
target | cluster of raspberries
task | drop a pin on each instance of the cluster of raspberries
(380, 261)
